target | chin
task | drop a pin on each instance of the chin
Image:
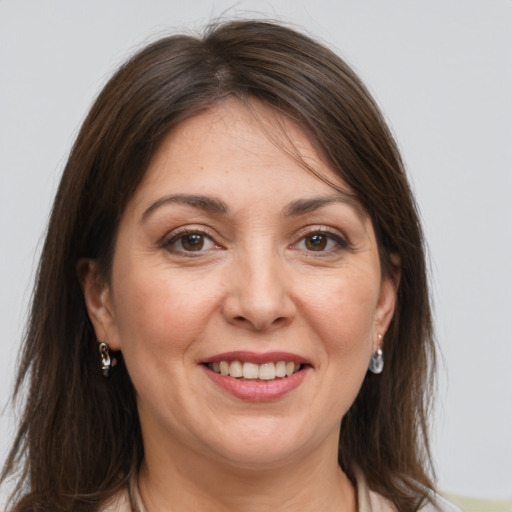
(264, 445)
(259, 458)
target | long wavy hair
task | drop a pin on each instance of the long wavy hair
(79, 439)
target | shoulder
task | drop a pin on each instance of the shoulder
(370, 501)
(440, 505)
(379, 503)
(120, 502)
(126, 500)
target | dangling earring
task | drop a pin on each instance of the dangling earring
(376, 364)
(107, 362)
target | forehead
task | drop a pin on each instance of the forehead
(239, 149)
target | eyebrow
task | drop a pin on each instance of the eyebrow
(205, 203)
(214, 205)
(302, 206)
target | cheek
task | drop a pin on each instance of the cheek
(159, 323)
(343, 310)
(347, 335)
(160, 314)
(342, 319)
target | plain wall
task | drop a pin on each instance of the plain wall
(441, 71)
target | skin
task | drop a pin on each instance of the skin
(258, 283)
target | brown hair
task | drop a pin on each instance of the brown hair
(79, 439)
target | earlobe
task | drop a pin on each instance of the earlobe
(98, 301)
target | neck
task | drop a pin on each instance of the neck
(178, 481)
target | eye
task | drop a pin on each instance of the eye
(321, 242)
(190, 242)
(316, 242)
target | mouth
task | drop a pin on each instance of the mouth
(251, 371)
(245, 373)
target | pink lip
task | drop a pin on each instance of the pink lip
(257, 391)
(258, 358)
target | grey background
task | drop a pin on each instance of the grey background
(441, 71)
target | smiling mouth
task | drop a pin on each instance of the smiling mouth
(248, 371)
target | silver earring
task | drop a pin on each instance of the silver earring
(376, 364)
(107, 362)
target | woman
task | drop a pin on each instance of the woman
(231, 310)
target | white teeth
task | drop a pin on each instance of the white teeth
(280, 369)
(247, 370)
(251, 370)
(267, 371)
(224, 368)
(235, 369)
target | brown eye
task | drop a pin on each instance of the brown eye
(186, 243)
(193, 242)
(316, 242)
(324, 242)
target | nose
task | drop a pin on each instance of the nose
(258, 293)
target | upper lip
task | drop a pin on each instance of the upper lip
(256, 357)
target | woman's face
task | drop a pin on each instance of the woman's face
(232, 267)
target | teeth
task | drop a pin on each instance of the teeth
(280, 369)
(267, 371)
(224, 368)
(250, 371)
(247, 370)
(235, 369)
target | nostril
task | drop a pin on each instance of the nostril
(277, 321)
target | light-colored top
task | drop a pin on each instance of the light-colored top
(367, 501)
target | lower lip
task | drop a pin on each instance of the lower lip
(257, 390)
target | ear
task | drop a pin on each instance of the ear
(98, 301)
(387, 298)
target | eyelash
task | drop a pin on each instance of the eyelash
(330, 236)
(181, 236)
(341, 243)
